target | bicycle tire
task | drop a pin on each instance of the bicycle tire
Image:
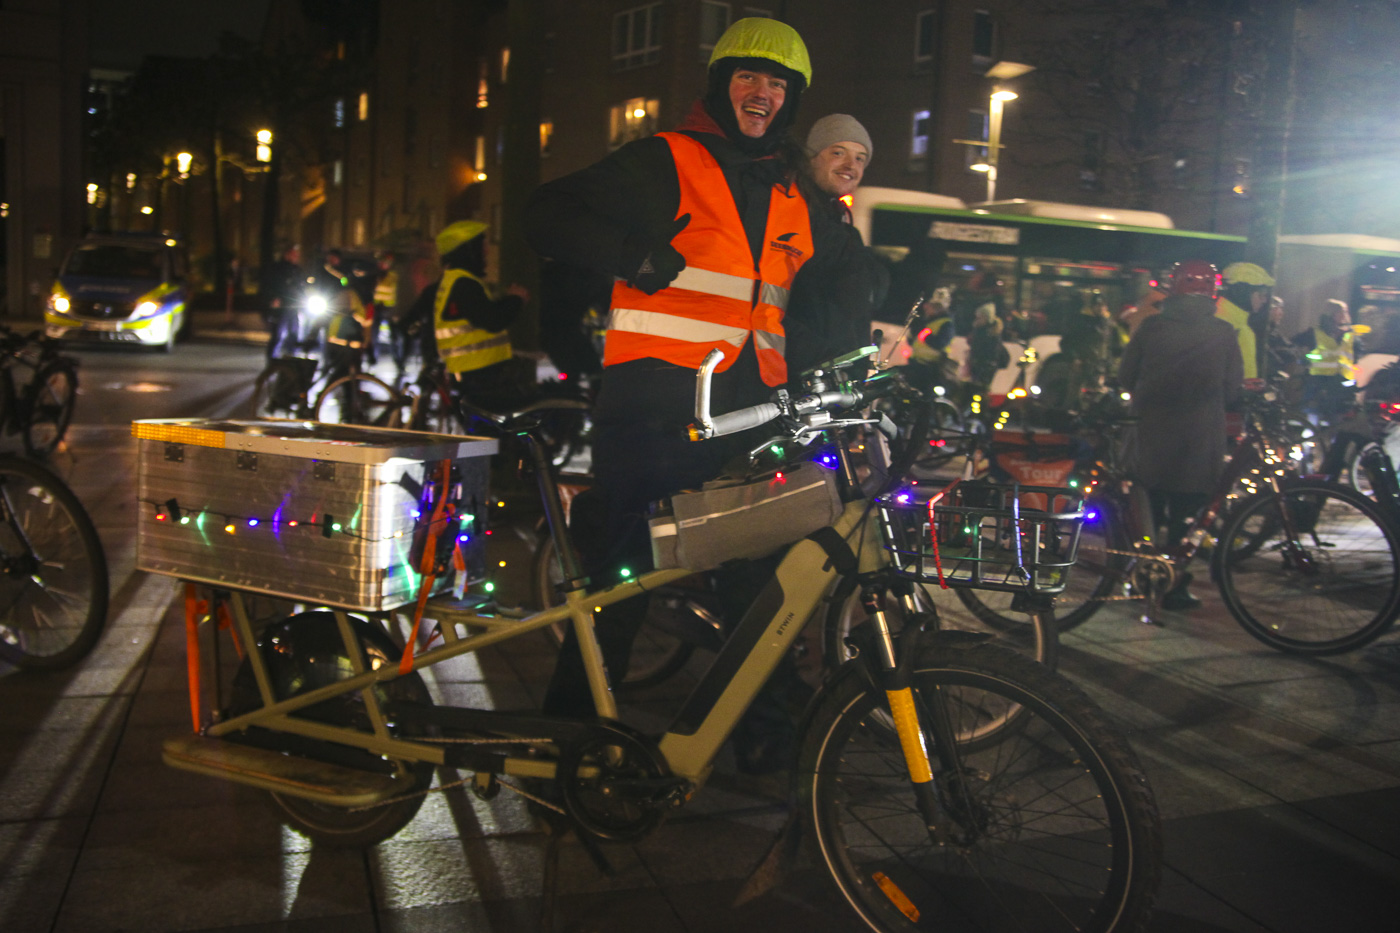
(49, 402)
(365, 399)
(53, 571)
(1032, 634)
(1099, 573)
(1093, 863)
(1326, 578)
(311, 653)
(657, 655)
(1356, 475)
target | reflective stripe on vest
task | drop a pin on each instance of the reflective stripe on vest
(1332, 357)
(719, 298)
(461, 346)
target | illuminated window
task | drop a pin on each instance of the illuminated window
(714, 20)
(637, 37)
(480, 163)
(337, 172)
(546, 138)
(631, 120)
(924, 36)
(359, 230)
(338, 112)
(483, 87)
(505, 63)
(364, 105)
(918, 147)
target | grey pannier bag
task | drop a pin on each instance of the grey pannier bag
(739, 519)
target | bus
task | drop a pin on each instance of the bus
(1045, 261)
(1048, 257)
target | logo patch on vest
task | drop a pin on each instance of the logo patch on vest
(782, 245)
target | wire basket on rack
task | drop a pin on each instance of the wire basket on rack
(985, 535)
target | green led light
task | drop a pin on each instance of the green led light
(335, 526)
(625, 573)
(490, 587)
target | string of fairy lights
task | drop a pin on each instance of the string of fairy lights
(325, 524)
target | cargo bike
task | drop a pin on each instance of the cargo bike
(940, 778)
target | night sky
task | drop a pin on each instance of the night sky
(123, 31)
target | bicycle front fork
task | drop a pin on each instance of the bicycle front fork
(896, 676)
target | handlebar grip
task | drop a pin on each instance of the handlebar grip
(735, 421)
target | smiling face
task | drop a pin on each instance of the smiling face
(838, 168)
(757, 97)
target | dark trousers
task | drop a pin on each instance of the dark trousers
(1175, 510)
(640, 455)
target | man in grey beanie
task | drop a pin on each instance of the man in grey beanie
(839, 149)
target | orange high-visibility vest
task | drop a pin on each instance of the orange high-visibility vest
(719, 298)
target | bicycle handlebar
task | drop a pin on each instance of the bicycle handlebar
(708, 426)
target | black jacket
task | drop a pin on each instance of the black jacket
(611, 215)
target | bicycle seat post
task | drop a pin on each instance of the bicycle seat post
(574, 578)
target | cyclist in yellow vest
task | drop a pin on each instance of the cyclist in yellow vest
(1330, 354)
(469, 325)
(1243, 300)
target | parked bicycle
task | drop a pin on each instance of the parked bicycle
(1305, 565)
(39, 407)
(935, 769)
(53, 571)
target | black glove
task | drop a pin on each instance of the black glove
(661, 266)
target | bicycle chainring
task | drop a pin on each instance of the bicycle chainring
(615, 785)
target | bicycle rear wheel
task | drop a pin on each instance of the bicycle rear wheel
(363, 399)
(1053, 827)
(50, 400)
(53, 572)
(1325, 577)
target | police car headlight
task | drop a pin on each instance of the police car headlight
(316, 304)
(60, 304)
(147, 308)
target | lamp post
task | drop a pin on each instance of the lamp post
(1001, 71)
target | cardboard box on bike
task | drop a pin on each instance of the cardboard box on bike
(325, 513)
(741, 519)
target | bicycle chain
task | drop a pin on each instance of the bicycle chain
(1136, 554)
(467, 780)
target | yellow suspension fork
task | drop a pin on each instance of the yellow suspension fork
(895, 679)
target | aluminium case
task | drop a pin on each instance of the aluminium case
(261, 502)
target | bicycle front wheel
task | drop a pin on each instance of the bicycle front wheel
(1324, 577)
(363, 399)
(52, 397)
(1052, 828)
(53, 573)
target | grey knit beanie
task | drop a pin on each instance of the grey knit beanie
(835, 128)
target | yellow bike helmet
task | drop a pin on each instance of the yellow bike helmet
(454, 235)
(760, 37)
(1246, 273)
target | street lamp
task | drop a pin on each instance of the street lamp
(264, 145)
(1001, 71)
(182, 163)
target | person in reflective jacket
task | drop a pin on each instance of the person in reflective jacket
(464, 325)
(705, 229)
